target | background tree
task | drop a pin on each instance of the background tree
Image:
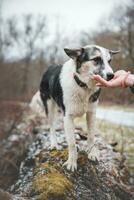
(27, 38)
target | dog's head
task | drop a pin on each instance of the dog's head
(92, 59)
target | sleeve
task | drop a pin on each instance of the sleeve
(132, 88)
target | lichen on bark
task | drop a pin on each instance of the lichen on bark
(49, 181)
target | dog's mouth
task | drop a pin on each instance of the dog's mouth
(107, 77)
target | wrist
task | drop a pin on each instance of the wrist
(130, 80)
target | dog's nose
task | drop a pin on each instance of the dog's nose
(110, 76)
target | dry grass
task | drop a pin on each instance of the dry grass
(123, 135)
(10, 114)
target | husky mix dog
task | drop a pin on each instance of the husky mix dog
(70, 87)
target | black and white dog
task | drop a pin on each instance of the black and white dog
(70, 87)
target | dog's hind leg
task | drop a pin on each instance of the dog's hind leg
(71, 163)
(52, 114)
(93, 152)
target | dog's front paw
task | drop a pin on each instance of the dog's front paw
(94, 154)
(70, 165)
(54, 144)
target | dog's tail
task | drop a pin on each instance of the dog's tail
(36, 104)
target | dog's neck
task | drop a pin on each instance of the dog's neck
(79, 82)
(85, 82)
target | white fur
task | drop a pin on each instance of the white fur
(105, 55)
(52, 116)
(76, 100)
(36, 104)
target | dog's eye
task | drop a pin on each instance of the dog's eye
(98, 60)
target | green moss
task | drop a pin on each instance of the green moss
(49, 180)
(60, 154)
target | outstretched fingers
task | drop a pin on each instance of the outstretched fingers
(101, 81)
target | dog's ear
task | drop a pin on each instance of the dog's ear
(73, 53)
(114, 52)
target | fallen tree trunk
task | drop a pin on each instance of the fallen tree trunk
(43, 177)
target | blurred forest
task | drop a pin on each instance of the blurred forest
(27, 37)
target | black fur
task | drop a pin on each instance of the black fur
(79, 82)
(82, 58)
(50, 87)
(86, 55)
(95, 96)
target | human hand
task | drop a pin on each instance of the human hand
(121, 79)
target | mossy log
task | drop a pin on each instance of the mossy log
(43, 177)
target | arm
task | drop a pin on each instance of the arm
(121, 79)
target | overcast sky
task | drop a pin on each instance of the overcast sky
(74, 14)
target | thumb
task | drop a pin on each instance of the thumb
(100, 85)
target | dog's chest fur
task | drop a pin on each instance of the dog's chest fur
(75, 98)
(76, 102)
